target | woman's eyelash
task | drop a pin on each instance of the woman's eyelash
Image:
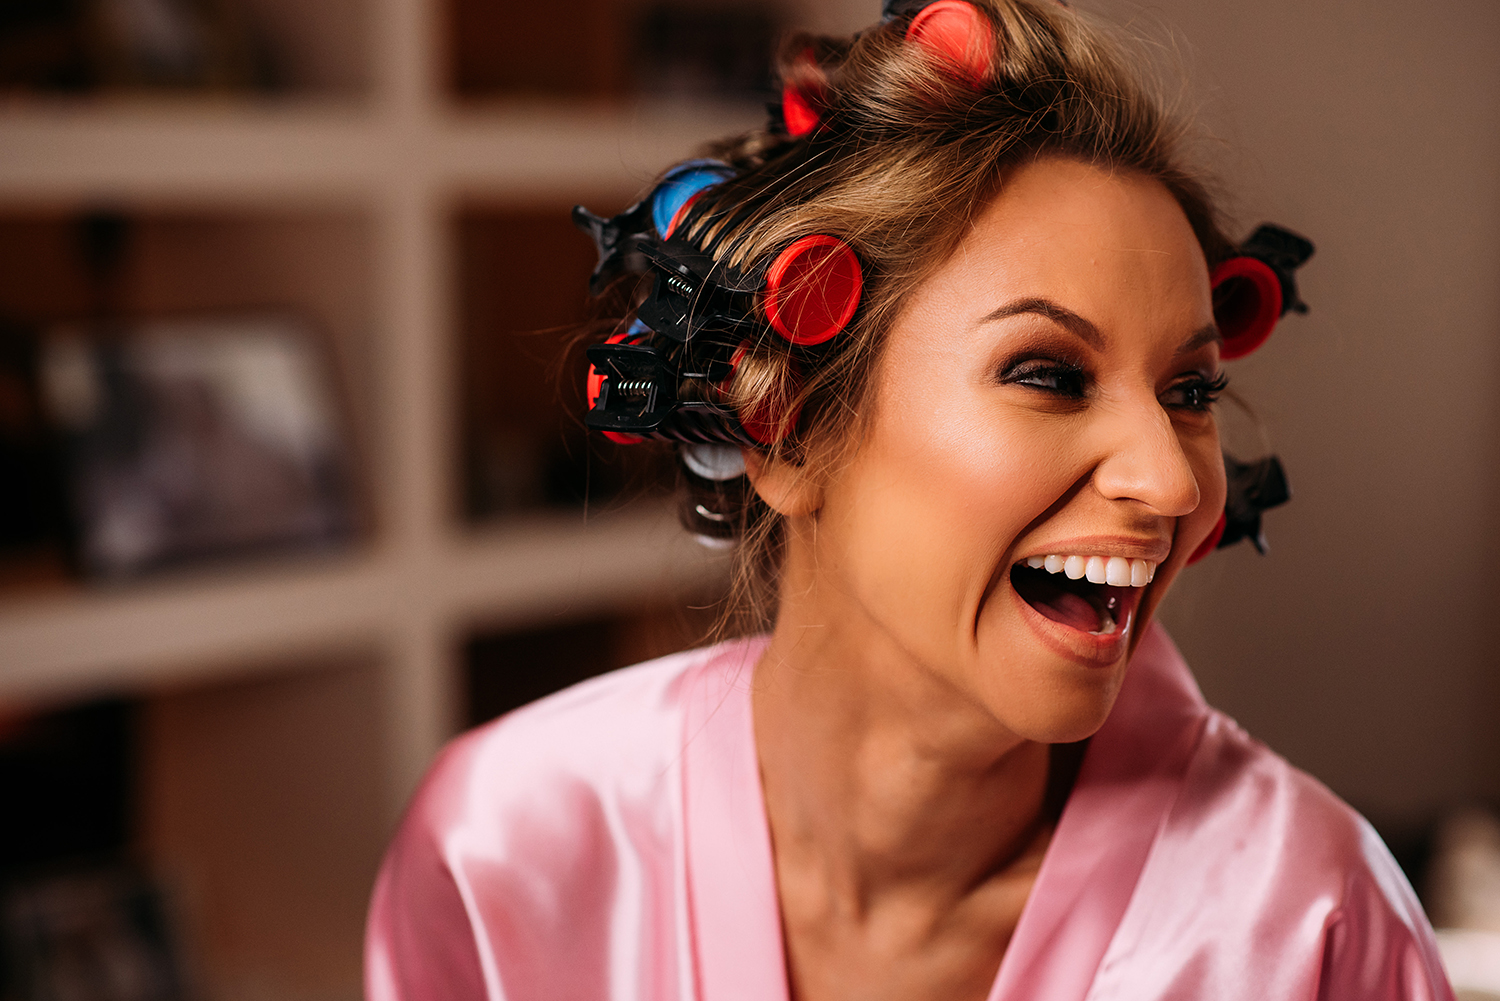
(1070, 381)
(1198, 392)
(1058, 378)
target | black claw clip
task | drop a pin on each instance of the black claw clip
(1256, 287)
(1254, 487)
(1285, 252)
(616, 241)
(636, 389)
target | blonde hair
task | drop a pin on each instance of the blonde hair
(907, 154)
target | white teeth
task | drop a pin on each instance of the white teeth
(1140, 573)
(1116, 571)
(1094, 570)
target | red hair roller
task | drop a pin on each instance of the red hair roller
(1208, 544)
(957, 32)
(802, 97)
(596, 383)
(768, 421)
(677, 216)
(812, 289)
(798, 112)
(1247, 304)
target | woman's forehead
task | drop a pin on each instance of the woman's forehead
(1089, 236)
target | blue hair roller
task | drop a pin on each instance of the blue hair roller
(679, 187)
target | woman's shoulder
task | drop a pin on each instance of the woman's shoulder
(1283, 815)
(1274, 872)
(1235, 803)
(617, 728)
(525, 829)
(1256, 879)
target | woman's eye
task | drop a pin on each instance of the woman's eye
(1051, 377)
(1195, 393)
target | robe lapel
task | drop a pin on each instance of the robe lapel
(735, 913)
(1130, 778)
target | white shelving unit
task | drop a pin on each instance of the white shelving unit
(400, 156)
(271, 685)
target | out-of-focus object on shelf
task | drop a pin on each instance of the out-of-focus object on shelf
(78, 918)
(198, 437)
(90, 933)
(1463, 900)
(79, 45)
(681, 49)
(32, 527)
(43, 46)
(65, 778)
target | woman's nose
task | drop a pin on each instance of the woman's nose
(1145, 462)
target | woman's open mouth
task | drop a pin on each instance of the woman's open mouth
(1097, 595)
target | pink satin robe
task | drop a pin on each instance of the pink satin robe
(610, 842)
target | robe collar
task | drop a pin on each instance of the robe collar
(1125, 789)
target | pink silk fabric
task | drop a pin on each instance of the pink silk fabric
(610, 842)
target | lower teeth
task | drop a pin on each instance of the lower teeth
(1106, 624)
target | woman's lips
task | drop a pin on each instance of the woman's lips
(1082, 606)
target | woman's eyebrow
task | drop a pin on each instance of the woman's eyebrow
(1204, 335)
(1066, 318)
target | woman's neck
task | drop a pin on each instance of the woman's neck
(883, 778)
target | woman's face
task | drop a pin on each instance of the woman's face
(1043, 398)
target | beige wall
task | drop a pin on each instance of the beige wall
(1365, 647)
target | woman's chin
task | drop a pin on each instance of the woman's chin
(1067, 721)
(1057, 688)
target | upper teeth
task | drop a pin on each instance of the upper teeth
(1114, 570)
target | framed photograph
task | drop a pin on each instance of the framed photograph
(194, 437)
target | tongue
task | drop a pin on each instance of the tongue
(1070, 610)
(1045, 592)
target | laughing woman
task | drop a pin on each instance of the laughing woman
(939, 350)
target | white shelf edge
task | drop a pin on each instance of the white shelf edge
(194, 628)
(232, 153)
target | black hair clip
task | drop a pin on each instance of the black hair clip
(616, 241)
(650, 390)
(1256, 287)
(1285, 252)
(692, 296)
(1254, 488)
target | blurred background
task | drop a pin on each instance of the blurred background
(293, 488)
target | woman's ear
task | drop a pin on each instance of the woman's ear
(788, 490)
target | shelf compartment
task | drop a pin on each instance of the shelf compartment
(261, 812)
(505, 670)
(215, 293)
(682, 48)
(230, 46)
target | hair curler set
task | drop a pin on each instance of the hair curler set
(668, 376)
